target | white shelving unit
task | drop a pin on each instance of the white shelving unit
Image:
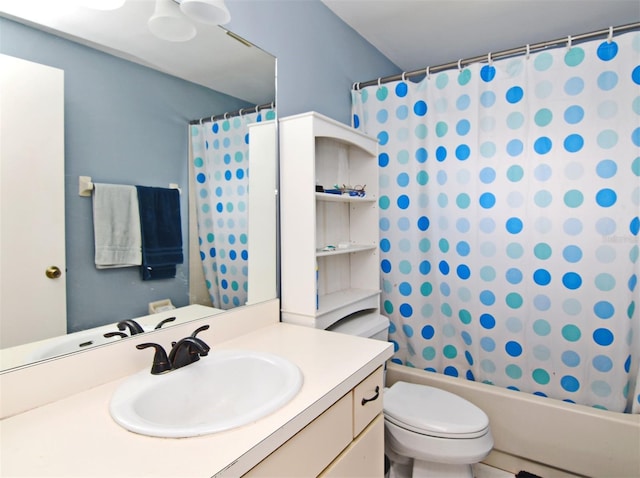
(338, 233)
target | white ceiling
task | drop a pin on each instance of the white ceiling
(212, 59)
(415, 34)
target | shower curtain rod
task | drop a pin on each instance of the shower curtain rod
(501, 54)
(240, 112)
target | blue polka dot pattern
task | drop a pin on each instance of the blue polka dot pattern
(511, 220)
(221, 168)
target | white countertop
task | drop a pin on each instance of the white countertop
(76, 436)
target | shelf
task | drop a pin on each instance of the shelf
(338, 300)
(328, 197)
(347, 250)
(334, 307)
(315, 150)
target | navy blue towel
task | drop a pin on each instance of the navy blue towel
(161, 230)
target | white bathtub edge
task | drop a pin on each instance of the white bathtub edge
(576, 439)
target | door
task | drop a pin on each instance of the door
(32, 300)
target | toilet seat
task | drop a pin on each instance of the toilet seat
(416, 446)
(433, 412)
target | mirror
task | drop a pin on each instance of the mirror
(114, 139)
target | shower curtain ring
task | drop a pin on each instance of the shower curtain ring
(257, 108)
(489, 60)
(460, 64)
(379, 83)
(528, 51)
(610, 37)
(428, 73)
(226, 115)
(569, 40)
(403, 73)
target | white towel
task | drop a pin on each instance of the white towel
(116, 226)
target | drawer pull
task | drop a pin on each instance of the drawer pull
(375, 397)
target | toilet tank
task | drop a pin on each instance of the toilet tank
(370, 324)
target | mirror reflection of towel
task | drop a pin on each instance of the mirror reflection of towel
(116, 226)
(161, 230)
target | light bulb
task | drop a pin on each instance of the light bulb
(206, 11)
(169, 24)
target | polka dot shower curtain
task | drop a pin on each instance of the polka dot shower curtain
(220, 154)
(509, 218)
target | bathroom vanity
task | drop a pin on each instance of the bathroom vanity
(332, 427)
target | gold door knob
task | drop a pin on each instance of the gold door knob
(53, 272)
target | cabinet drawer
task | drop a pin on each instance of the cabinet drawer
(310, 450)
(367, 401)
(364, 457)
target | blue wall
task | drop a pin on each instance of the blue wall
(126, 124)
(319, 56)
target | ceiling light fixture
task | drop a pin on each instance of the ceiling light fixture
(206, 11)
(169, 24)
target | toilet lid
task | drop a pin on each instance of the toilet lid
(431, 411)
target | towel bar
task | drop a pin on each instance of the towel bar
(85, 186)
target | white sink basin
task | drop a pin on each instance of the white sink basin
(224, 390)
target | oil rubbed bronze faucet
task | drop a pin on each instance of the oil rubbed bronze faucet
(133, 326)
(187, 351)
(183, 352)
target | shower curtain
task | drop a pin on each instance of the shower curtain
(509, 219)
(220, 156)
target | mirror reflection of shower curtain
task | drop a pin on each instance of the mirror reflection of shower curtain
(509, 220)
(220, 157)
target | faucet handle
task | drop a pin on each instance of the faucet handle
(161, 363)
(199, 329)
(108, 335)
(162, 322)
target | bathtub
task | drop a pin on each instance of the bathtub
(547, 437)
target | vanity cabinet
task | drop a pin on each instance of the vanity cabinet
(346, 440)
(329, 240)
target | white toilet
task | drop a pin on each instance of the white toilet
(428, 432)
